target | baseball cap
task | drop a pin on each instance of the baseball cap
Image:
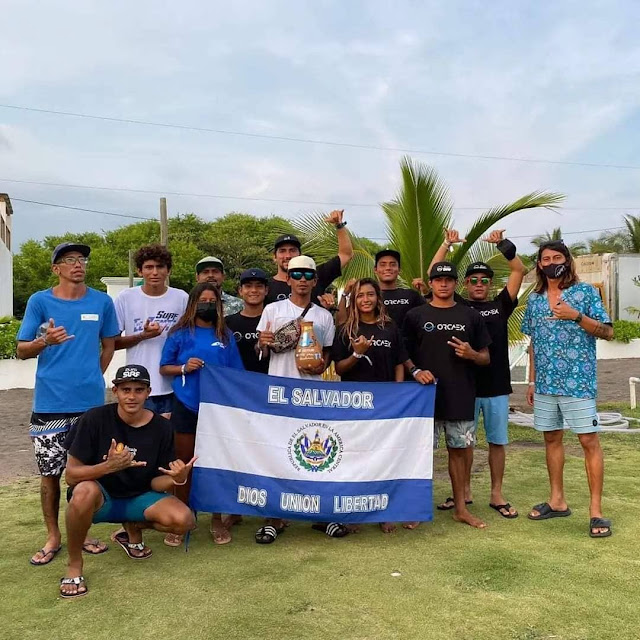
(443, 270)
(287, 238)
(479, 267)
(132, 373)
(301, 263)
(209, 260)
(388, 252)
(67, 247)
(253, 274)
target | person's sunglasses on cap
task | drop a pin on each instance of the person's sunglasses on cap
(307, 274)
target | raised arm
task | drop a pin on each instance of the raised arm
(451, 236)
(516, 266)
(345, 246)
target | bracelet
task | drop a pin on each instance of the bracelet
(532, 384)
(180, 484)
(415, 371)
(182, 369)
(341, 225)
(357, 356)
(578, 319)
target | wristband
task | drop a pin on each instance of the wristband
(578, 319)
(180, 484)
(341, 225)
(507, 249)
(357, 355)
(532, 384)
(415, 371)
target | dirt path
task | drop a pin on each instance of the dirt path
(16, 453)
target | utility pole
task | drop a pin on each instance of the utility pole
(164, 223)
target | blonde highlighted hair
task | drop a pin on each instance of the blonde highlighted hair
(350, 328)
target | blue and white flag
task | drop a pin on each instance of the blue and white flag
(313, 450)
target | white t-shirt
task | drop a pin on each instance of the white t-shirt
(133, 308)
(278, 314)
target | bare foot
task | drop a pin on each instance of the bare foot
(353, 528)
(467, 518)
(220, 533)
(410, 525)
(387, 527)
(231, 520)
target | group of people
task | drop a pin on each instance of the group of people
(129, 462)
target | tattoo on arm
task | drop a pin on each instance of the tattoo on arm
(603, 331)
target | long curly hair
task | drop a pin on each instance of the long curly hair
(188, 319)
(350, 328)
(570, 276)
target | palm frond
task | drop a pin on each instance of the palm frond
(515, 321)
(416, 217)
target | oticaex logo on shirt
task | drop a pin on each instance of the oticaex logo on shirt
(490, 312)
(443, 326)
(399, 301)
(238, 335)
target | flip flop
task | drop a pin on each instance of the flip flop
(216, 534)
(122, 538)
(506, 506)
(332, 529)
(268, 534)
(78, 580)
(445, 507)
(545, 512)
(600, 523)
(94, 543)
(52, 552)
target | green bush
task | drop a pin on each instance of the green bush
(8, 333)
(625, 330)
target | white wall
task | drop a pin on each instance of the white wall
(6, 269)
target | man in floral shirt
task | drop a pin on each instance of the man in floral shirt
(564, 317)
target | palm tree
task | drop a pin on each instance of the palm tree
(633, 229)
(576, 248)
(415, 219)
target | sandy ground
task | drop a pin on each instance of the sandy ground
(16, 453)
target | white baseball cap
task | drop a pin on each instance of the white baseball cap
(301, 263)
(209, 261)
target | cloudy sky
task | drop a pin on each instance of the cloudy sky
(539, 80)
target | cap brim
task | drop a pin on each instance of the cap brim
(118, 381)
(83, 249)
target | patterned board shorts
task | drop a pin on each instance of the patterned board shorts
(458, 434)
(49, 433)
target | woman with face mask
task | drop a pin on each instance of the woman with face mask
(200, 337)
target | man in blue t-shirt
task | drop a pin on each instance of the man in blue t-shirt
(564, 317)
(71, 329)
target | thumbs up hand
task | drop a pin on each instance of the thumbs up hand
(56, 335)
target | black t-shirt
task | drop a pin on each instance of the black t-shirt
(152, 443)
(327, 272)
(245, 332)
(386, 352)
(495, 380)
(427, 330)
(399, 301)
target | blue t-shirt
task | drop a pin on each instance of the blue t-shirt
(564, 354)
(202, 343)
(68, 377)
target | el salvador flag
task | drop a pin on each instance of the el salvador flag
(313, 450)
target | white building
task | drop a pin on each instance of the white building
(6, 257)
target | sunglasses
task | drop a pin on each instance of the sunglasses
(475, 280)
(298, 275)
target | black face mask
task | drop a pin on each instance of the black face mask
(207, 311)
(554, 271)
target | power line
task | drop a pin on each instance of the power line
(332, 143)
(64, 206)
(218, 196)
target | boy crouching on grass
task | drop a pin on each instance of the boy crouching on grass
(121, 466)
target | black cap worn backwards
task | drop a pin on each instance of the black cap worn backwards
(388, 252)
(253, 274)
(443, 270)
(68, 247)
(479, 267)
(132, 373)
(287, 238)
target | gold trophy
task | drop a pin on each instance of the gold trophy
(308, 352)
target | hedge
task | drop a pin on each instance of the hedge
(8, 334)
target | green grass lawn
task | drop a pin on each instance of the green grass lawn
(517, 579)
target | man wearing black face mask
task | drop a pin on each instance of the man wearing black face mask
(563, 318)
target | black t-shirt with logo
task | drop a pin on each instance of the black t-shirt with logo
(399, 301)
(327, 272)
(386, 352)
(245, 332)
(152, 443)
(495, 380)
(426, 330)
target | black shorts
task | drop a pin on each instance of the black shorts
(182, 418)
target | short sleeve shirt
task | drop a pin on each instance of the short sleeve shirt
(68, 376)
(564, 354)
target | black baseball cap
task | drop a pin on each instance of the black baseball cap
(253, 274)
(287, 238)
(132, 373)
(388, 252)
(68, 247)
(443, 270)
(479, 267)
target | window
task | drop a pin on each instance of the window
(8, 239)
(3, 226)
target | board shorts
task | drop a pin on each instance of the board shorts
(458, 434)
(49, 433)
(160, 404)
(552, 413)
(123, 509)
(495, 417)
